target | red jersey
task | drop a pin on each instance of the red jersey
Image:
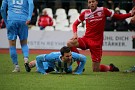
(45, 20)
(95, 22)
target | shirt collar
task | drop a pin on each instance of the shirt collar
(60, 58)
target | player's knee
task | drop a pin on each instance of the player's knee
(96, 69)
(72, 43)
(96, 66)
(23, 42)
(12, 42)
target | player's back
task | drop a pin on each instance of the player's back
(53, 57)
(76, 56)
(18, 9)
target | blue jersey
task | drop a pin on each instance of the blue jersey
(17, 10)
(55, 61)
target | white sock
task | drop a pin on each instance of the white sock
(26, 60)
(16, 66)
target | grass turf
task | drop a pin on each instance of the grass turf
(87, 81)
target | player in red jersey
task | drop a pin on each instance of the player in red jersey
(95, 18)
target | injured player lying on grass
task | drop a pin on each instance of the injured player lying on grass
(61, 62)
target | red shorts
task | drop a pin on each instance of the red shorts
(95, 47)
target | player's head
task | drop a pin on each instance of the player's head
(66, 54)
(92, 4)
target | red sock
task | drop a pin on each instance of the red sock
(74, 49)
(104, 68)
(110, 68)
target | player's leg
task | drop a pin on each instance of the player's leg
(77, 43)
(96, 58)
(13, 55)
(113, 68)
(12, 36)
(73, 44)
(96, 54)
(23, 35)
(46, 66)
(106, 68)
(25, 50)
(32, 64)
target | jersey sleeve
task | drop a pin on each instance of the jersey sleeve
(31, 8)
(82, 59)
(108, 13)
(121, 16)
(3, 11)
(78, 21)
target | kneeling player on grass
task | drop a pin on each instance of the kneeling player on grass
(62, 61)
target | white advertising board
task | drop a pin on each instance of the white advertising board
(113, 41)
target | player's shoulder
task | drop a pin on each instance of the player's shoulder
(101, 8)
(86, 11)
(74, 54)
(55, 53)
(104, 8)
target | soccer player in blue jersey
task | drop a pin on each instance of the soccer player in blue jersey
(62, 61)
(17, 19)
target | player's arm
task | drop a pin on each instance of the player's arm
(31, 7)
(76, 23)
(122, 16)
(3, 11)
(109, 13)
(82, 59)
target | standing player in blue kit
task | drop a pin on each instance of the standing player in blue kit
(17, 19)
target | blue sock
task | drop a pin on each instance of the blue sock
(13, 55)
(25, 50)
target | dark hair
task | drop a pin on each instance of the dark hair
(64, 49)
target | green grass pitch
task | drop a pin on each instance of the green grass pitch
(87, 81)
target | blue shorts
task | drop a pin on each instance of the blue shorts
(17, 28)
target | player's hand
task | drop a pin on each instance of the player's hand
(27, 22)
(75, 37)
(133, 11)
(133, 20)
